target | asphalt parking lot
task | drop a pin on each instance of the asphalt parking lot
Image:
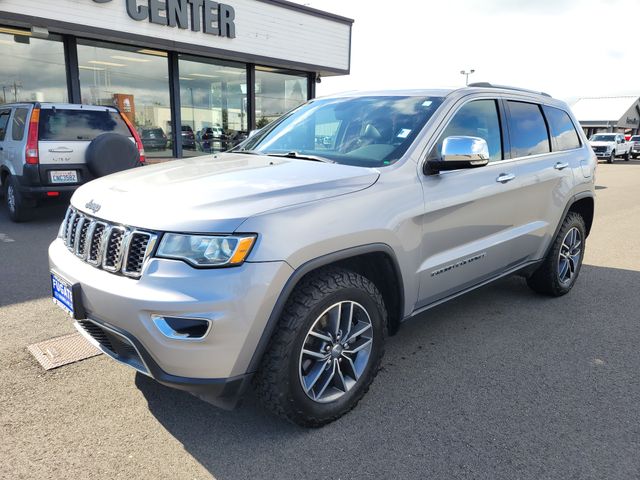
(501, 384)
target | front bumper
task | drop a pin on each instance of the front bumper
(237, 300)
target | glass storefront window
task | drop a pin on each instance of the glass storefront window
(213, 95)
(135, 80)
(277, 93)
(33, 69)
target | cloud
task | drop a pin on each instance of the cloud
(550, 45)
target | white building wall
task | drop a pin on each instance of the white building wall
(262, 29)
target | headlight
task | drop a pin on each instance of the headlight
(206, 250)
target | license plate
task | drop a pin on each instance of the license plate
(64, 176)
(62, 294)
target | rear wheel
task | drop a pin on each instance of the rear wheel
(559, 270)
(626, 156)
(327, 348)
(20, 210)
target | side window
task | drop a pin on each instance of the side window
(478, 118)
(528, 130)
(562, 129)
(18, 124)
(4, 121)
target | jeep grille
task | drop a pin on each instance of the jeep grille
(115, 248)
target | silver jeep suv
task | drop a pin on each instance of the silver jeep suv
(287, 262)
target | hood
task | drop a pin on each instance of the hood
(602, 144)
(214, 193)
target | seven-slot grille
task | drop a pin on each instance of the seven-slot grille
(113, 248)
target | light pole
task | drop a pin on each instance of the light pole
(466, 75)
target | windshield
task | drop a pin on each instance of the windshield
(364, 131)
(635, 138)
(603, 138)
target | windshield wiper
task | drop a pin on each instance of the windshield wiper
(249, 152)
(294, 154)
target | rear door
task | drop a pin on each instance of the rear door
(546, 147)
(5, 113)
(470, 215)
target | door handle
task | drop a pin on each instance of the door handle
(505, 177)
(61, 150)
(561, 166)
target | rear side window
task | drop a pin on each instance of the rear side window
(4, 121)
(19, 123)
(528, 130)
(70, 125)
(562, 129)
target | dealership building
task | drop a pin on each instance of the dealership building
(608, 114)
(201, 73)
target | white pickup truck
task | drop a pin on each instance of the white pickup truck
(608, 146)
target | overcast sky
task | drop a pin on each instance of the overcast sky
(568, 48)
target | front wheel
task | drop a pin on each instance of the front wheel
(559, 270)
(612, 157)
(326, 350)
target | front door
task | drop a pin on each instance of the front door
(470, 220)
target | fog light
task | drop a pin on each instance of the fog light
(180, 328)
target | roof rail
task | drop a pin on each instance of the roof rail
(489, 85)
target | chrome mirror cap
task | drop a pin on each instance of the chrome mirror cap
(467, 149)
(459, 152)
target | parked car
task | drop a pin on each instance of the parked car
(608, 146)
(153, 138)
(188, 138)
(211, 139)
(634, 143)
(47, 150)
(287, 267)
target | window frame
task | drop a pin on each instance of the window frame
(509, 121)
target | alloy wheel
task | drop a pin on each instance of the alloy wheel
(569, 258)
(336, 351)
(11, 198)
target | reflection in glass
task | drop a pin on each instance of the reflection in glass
(213, 96)
(134, 82)
(277, 93)
(33, 69)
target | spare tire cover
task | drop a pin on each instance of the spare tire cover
(110, 153)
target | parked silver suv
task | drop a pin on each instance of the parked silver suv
(48, 149)
(286, 262)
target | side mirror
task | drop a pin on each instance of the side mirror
(458, 153)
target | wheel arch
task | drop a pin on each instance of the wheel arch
(4, 174)
(583, 205)
(375, 261)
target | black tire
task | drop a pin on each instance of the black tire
(110, 153)
(278, 382)
(546, 279)
(612, 157)
(626, 157)
(19, 208)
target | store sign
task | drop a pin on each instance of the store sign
(201, 15)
